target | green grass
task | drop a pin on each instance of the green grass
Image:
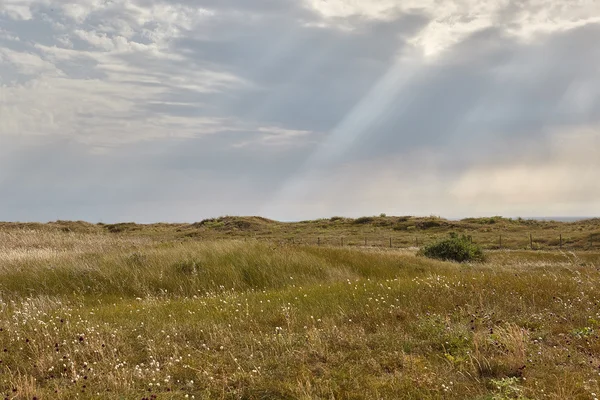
(91, 315)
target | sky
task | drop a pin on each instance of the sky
(179, 110)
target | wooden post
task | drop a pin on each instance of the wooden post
(560, 242)
(531, 241)
(391, 242)
(591, 240)
(417, 241)
(500, 242)
(342, 241)
(318, 241)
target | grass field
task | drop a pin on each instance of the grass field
(222, 309)
(404, 232)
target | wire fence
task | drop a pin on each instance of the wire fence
(487, 241)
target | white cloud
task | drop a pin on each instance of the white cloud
(278, 137)
(101, 41)
(158, 23)
(28, 63)
(18, 10)
(101, 116)
(5, 35)
(452, 21)
(105, 105)
(347, 8)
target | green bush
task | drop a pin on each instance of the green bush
(455, 248)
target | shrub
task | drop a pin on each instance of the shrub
(123, 227)
(455, 248)
(364, 220)
(428, 224)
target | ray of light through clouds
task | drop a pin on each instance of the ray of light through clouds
(176, 110)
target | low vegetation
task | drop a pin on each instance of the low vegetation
(369, 231)
(454, 248)
(86, 313)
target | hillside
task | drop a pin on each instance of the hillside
(404, 232)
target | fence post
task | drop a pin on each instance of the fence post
(560, 242)
(318, 241)
(591, 240)
(500, 242)
(342, 241)
(531, 241)
(417, 241)
(365, 241)
(391, 242)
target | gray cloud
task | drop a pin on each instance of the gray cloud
(306, 77)
(491, 89)
(160, 110)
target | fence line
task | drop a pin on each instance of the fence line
(500, 241)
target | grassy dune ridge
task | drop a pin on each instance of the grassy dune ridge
(93, 314)
(375, 231)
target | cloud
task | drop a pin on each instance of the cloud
(18, 10)
(452, 21)
(429, 182)
(28, 63)
(102, 79)
(296, 109)
(563, 181)
(476, 104)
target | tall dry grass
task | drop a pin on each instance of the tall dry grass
(102, 317)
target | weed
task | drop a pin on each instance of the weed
(507, 388)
